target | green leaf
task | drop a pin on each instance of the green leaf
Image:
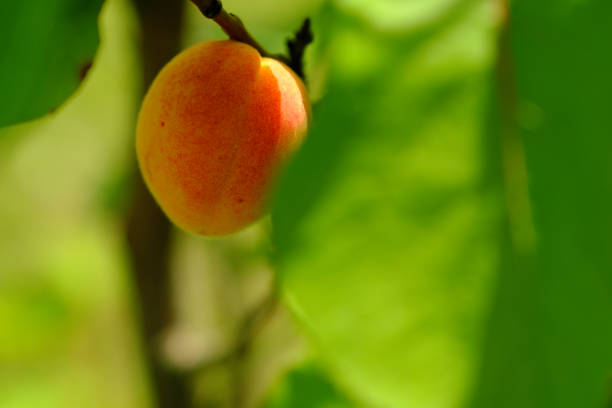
(551, 330)
(47, 47)
(445, 243)
(387, 223)
(307, 386)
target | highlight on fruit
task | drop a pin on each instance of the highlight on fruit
(214, 129)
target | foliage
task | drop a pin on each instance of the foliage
(48, 46)
(388, 243)
(305, 387)
(429, 266)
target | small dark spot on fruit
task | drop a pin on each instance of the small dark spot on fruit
(240, 200)
(162, 124)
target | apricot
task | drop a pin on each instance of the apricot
(214, 129)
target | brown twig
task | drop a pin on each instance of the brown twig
(230, 23)
(235, 29)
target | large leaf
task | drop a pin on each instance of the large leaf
(47, 47)
(387, 222)
(551, 331)
(435, 257)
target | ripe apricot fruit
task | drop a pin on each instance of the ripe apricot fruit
(214, 128)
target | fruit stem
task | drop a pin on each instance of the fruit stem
(230, 23)
(235, 29)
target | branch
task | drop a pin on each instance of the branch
(235, 29)
(147, 229)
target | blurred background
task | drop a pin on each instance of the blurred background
(442, 240)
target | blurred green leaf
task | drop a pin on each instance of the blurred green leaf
(307, 387)
(551, 331)
(448, 247)
(388, 220)
(47, 48)
(405, 15)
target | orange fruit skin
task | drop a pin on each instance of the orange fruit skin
(215, 126)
